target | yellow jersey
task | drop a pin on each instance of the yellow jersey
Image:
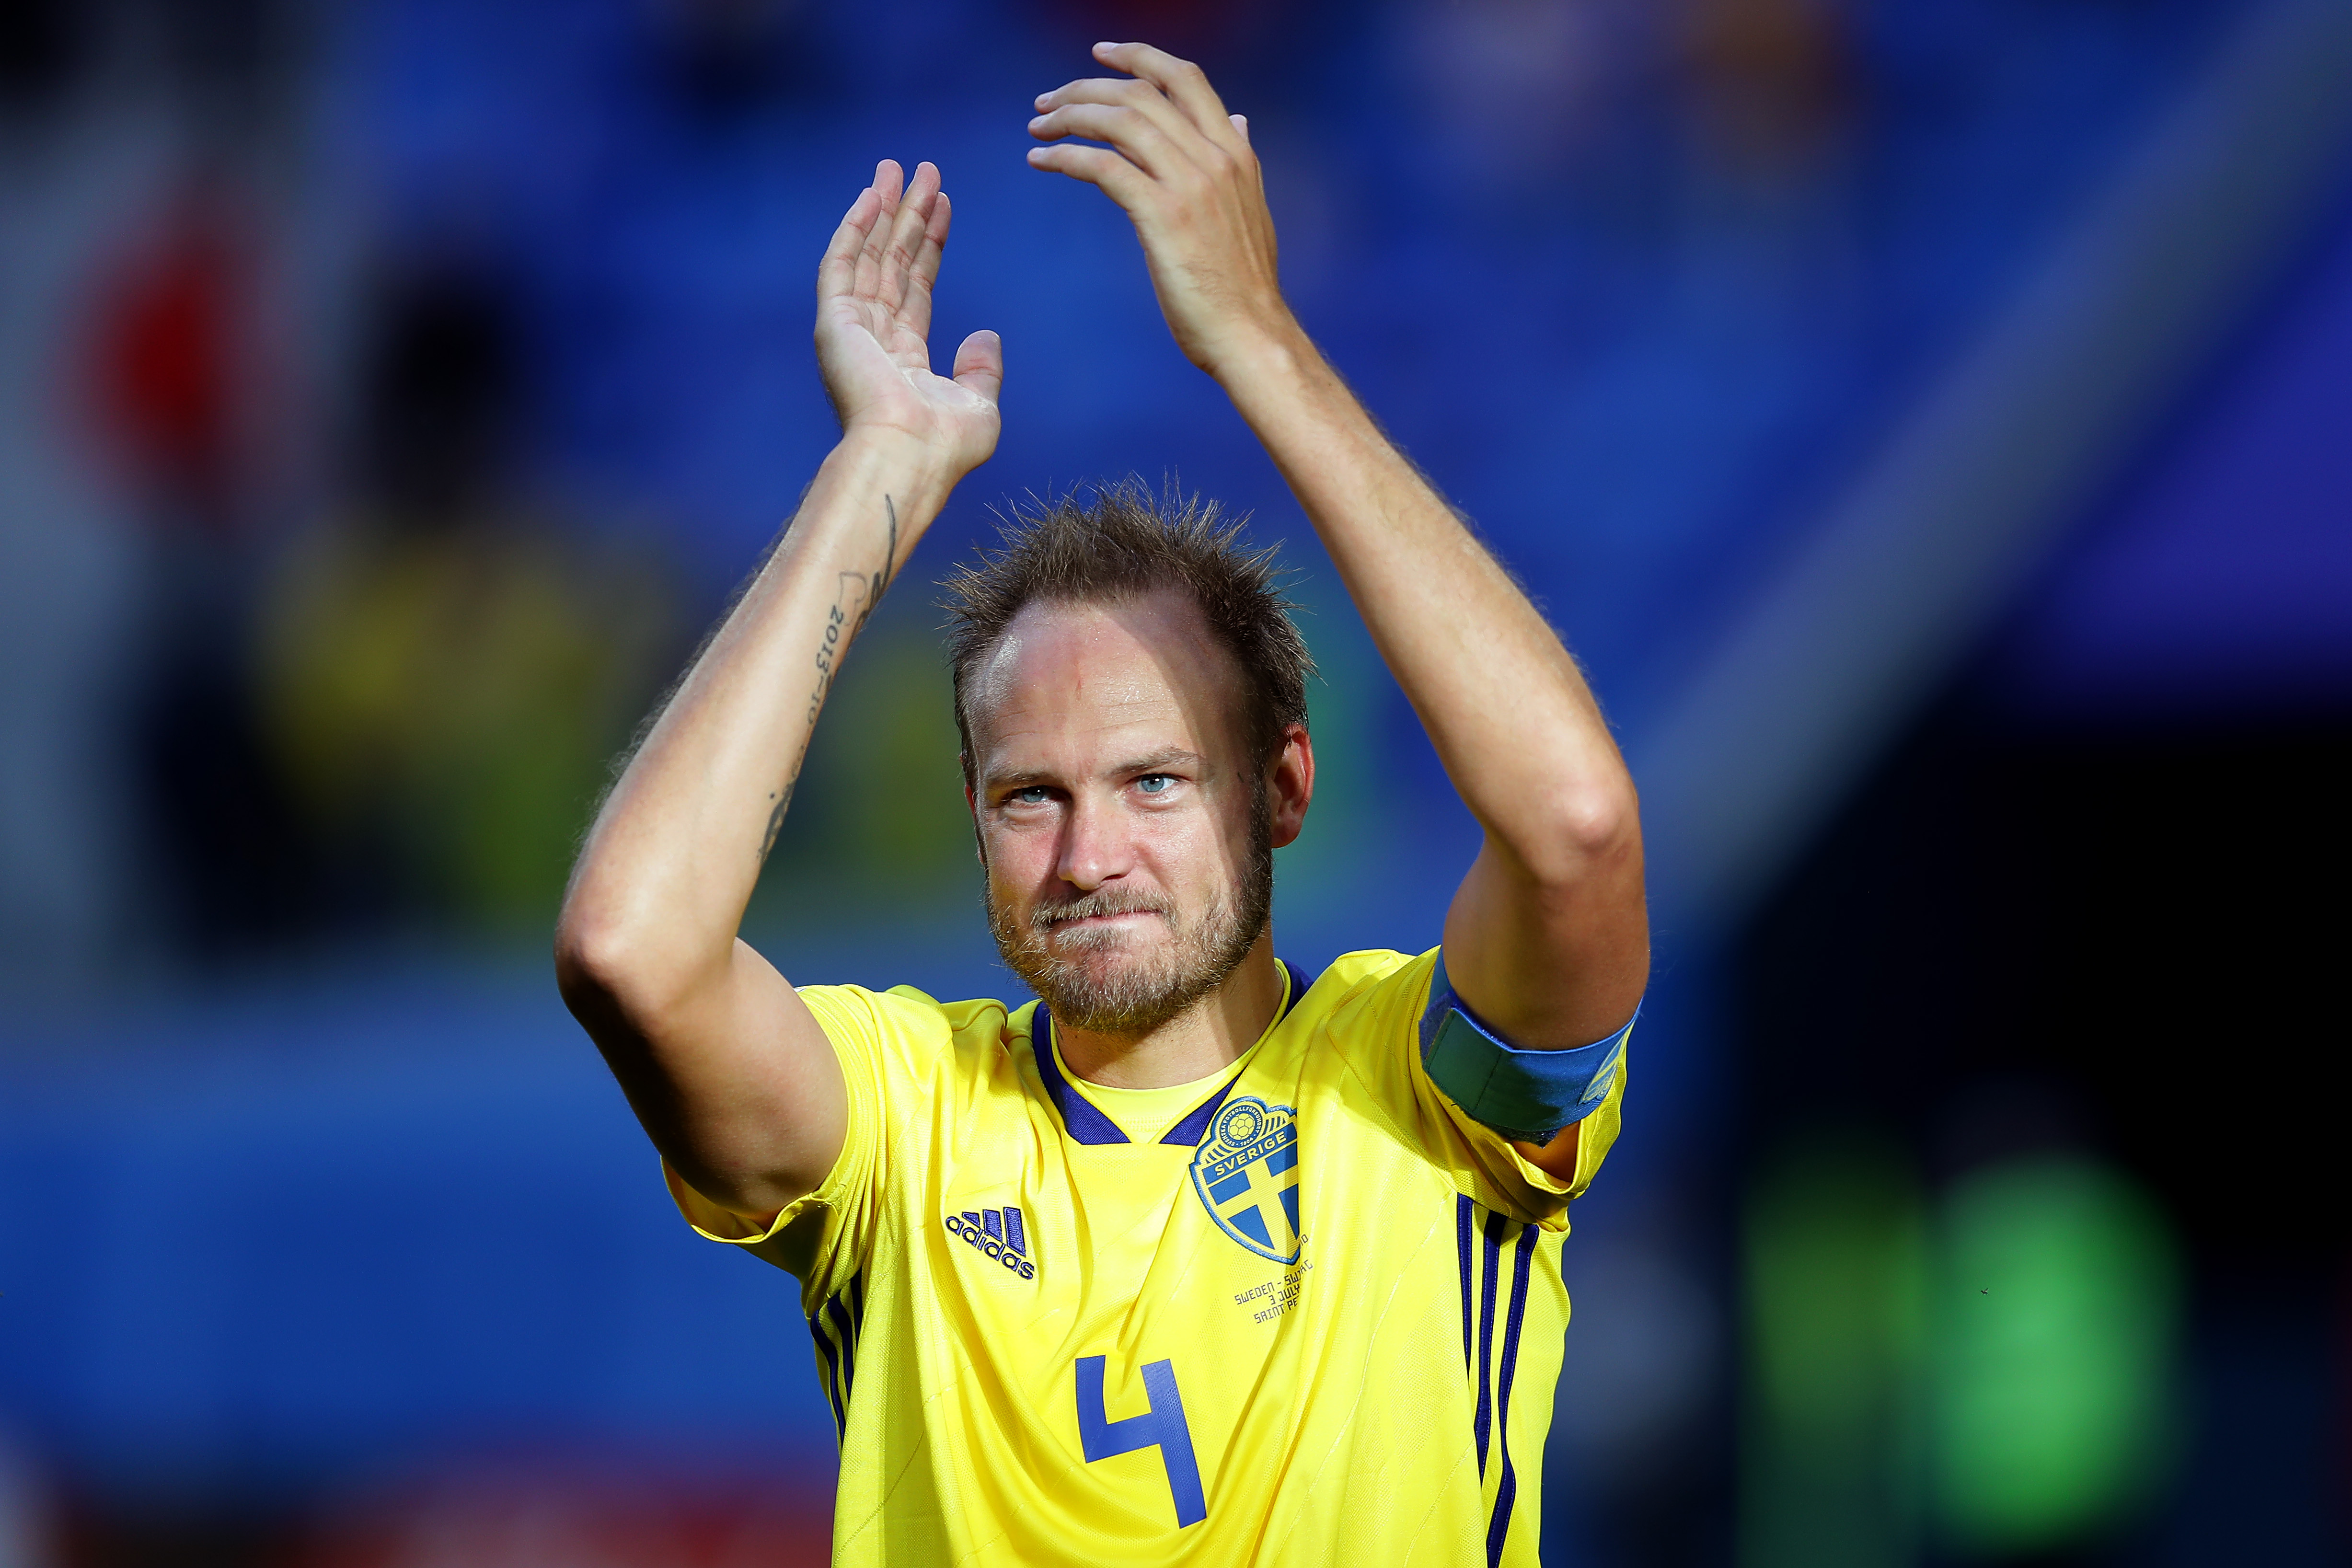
(1304, 1308)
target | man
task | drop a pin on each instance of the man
(1198, 1259)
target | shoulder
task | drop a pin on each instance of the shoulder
(1368, 995)
(914, 1027)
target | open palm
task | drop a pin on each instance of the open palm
(874, 315)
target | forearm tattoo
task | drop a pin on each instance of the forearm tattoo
(856, 595)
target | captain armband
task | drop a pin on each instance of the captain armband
(1525, 1095)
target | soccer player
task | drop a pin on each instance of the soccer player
(1199, 1258)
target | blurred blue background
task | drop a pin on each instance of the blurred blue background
(1926, 419)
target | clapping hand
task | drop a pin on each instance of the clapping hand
(1182, 168)
(873, 319)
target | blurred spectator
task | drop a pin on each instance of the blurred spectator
(182, 392)
(444, 675)
(73, 181)
(1517, 89)
(1769, 81)
(170, 363)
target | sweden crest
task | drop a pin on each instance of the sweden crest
(1246, 1171)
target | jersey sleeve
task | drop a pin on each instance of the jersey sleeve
(1386, 1019)
(826, 1238)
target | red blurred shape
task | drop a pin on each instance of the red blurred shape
(579, 1521)
(167, 364)
(1204, 30)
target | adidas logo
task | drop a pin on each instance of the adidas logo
(999, 1234)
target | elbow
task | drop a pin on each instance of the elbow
(1587, 832)
(591, 960)
(606, 969)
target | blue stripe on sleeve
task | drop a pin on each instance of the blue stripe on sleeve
(828, 1370)
(845, 1335)
(1528, 1095)
(1462, 1247)
(1493, 1233)
(1507, 1492)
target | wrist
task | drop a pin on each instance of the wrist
(1273, 374)
(912, 470)
(1276, 353)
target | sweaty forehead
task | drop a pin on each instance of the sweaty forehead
(1138, 674)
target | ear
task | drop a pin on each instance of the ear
(1291, 782)
(972, 805)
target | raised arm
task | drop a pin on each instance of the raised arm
(1548, 938)
(722, 1061)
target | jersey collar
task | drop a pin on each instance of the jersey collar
(1085, 1121)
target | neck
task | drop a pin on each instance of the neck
(1204, 1038)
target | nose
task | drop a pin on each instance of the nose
(1095, 848)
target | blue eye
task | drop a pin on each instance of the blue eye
(1154, 784)
(1034, 796)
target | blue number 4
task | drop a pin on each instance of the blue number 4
(1162, 1427)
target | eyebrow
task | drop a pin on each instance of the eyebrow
(1160, 761)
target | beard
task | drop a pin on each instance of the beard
(1086, 986)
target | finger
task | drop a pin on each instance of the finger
(915, 315)
(907, 226)
(1249, 158)
(1138, 138)
(1116, 178)
(980, 365)
(837, 272)
(1118, 92)
(887, 184)
(1186, 85)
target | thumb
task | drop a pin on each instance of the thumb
(980, 365)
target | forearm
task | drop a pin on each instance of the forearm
(1504, 703)
(1547, 935)
(673, 858)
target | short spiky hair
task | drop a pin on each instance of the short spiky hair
(1120, 542)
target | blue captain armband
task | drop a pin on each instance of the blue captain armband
(1525, 1095)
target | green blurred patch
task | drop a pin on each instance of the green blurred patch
(2003, 1371)
(444, 700)
(2057, 1316)
(1836, 1270)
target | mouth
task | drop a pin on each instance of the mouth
(1116, 920)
